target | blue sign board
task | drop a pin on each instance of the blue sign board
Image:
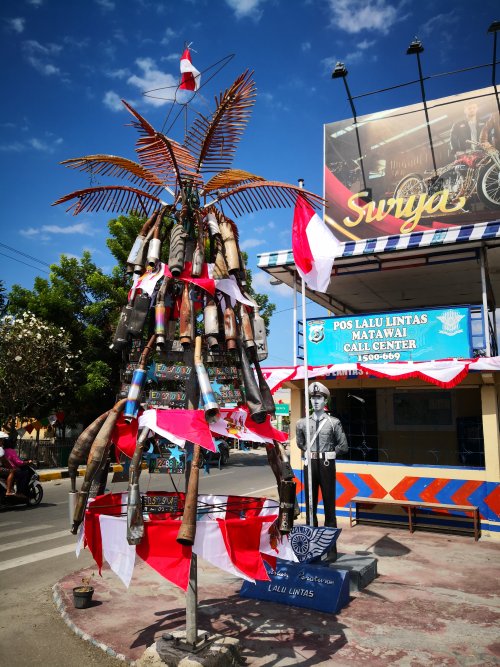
(297, 585)
(419, 335)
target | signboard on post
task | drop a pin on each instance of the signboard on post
(282, 409)
(419, 335)
(400, 192)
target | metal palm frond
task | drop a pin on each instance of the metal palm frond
(168, 159)
(111, 198)
(252, 197)
(214, 140)
(117, 167)
(229, 179)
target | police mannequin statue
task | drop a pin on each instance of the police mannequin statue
(327, 440)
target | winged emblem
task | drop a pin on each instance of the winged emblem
(309, 543)
(450, 321)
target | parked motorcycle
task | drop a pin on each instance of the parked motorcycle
(476, 172)
(35, 490)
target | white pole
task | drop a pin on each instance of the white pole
(484, 290)
(294, 318)
(306, 400)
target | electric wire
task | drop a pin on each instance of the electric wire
(24, 254)
(37, 268)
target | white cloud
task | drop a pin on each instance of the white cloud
(44, 230)
(353, 16)
(246, 8)
(305, 46)
(113, 101)
(261, 283)
(35, 3)
(162, 85)
(16, 24)
(44, 146)
(118, 73)
(351, 58)
(106, 5)
(251, 243)
(47, 145)
(168, 36)
(13, 147)
(40, 56)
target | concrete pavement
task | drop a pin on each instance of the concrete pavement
(435, 602)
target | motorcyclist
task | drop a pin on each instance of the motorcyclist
(18, 471)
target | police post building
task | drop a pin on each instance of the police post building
(408, 348)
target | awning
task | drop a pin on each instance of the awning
(445, 373)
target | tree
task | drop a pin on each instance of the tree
(36, 364)
(81, 298)
(3, 298)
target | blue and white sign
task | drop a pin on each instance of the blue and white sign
(309, 543)
(420, 335)
(310, 586)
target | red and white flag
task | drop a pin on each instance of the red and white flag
(190, 77)
(314, 246)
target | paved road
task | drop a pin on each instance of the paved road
(36, 550)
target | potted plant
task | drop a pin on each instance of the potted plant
(82, 595)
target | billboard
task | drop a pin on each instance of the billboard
(393, 188)
(417, 335)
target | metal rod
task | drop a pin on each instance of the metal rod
(424, 102)
(493, 73)
(354, 117)
(310, 512)
(484, 292)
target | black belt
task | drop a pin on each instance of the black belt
(319, 455)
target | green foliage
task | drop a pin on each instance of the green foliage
(266, 308)
(36, 367)
(86, 302)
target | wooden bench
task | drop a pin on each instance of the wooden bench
(412, 507)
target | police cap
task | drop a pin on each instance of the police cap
(318, 389)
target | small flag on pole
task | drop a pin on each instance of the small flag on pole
(314, 246)
(190, 77)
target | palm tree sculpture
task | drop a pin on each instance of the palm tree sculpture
(198, 227)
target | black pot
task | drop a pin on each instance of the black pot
(82, 596)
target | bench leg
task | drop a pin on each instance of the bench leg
(410, 518)
(475, 515)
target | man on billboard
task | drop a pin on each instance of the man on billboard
(466, 130)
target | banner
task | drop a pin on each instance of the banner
(420, 335)
(400, 191)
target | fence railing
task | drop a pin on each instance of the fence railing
(46, 453)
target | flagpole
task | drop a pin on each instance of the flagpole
(310, 507)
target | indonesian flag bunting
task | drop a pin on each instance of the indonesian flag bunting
(161, 551)
(314, 246)
(190, 77)
(229, 286)
(234, 533)
(242, 540)
(116, 551)
(179, 426)
(235, 423)
(124, 435)
(209, 544)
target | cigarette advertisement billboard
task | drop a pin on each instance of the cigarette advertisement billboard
(388, 185)
(418, 335)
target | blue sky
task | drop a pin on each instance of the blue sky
(66, 64)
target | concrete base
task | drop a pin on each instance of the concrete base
(362, 569)
(211, 651)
